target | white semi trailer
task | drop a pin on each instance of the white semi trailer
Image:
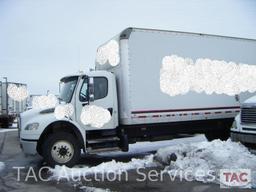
(126, 81)
(9, 108)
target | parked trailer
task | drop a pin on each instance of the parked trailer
(9, 108)
(126, 81)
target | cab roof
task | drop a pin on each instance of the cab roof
(88, 73)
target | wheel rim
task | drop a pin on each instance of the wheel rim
(62, 151)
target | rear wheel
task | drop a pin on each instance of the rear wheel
(222, 131)
(219, 134)
(61, 149)
(5, 123)
(124, 144)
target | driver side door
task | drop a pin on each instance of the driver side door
(100, 94)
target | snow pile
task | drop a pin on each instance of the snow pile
(62, 111)
(44, 101)
(93, 189)
(63, 172)
(200, 159)
(95, 116)
(17, 93)
(180, 75)
(108, 52)
(2, 165)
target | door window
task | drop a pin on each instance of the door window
(100, 87)
(83, 95)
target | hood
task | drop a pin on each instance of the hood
(32, 113)
(251, 100)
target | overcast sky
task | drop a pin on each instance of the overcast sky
(41, 41)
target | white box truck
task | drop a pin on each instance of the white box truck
(9, 108)
(244, 126)
(126, 82)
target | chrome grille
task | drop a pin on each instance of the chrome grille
(248, 115)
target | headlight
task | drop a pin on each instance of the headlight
(32, 127)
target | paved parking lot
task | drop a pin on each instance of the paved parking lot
(12, 156)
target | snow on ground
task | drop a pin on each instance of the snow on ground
(188, 155)
(59, 172)
(2, 165)
(7, 130)
(207, 157)
(93, 189)
(62, 172)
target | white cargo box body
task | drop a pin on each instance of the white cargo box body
(140, 99)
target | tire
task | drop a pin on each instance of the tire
(124, 144)
(222, 135)
(61, 149)
(5, 123)
(221, 132)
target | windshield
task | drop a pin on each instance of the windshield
(67, 87)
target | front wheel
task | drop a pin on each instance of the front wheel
(61, 149)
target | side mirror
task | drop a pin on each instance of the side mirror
(91, 89)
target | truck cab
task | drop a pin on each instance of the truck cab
(60, 141)
(244, 126)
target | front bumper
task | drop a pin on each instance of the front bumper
(28, 146)
(243, 137)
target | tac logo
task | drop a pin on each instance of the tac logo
(240, 178)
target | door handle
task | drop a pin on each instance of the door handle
(110, 110)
